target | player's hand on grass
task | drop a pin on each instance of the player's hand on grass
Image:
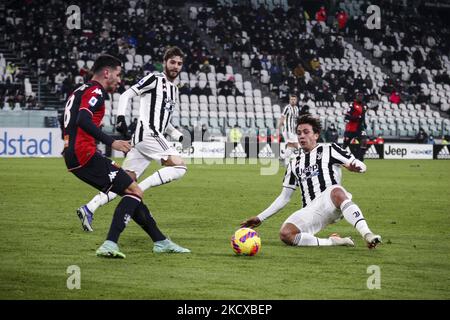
(251, 222)
(121, 145)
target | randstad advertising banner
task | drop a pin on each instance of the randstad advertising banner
(408, 151)
(30, 142)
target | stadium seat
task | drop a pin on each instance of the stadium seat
(231, 100)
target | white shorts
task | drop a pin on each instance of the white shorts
(150, 148)
(289, 137)
(318, 214)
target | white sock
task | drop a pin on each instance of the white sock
(100, 200)
(163, 176)
(352, 213)
(303, 239)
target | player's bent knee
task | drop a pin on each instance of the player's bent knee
(338, 196)
(287, 236)
(135, 190)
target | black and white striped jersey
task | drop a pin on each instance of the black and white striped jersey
(316, 170)
(159, 98)
(290, 114)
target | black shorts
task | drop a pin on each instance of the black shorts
(103, 174)
(350, 135)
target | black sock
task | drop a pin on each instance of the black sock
(144, 218)
(124, 212)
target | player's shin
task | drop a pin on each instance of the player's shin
(304, 239)
(353, 215)
(163, 176)
(124, 212)
(144, 218)
(100, 200)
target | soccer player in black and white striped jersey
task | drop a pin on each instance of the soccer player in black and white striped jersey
(158, 99)
(317, 172)
(287, 126)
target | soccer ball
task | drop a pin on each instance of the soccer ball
(246, 241)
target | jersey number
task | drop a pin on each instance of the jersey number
(67, 110)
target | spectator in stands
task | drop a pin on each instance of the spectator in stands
(235, 91)
(205, 133)
(421, 136)
(422, 98)
(148, 66)
(327, 96)
(255, 65)
(225, 91)
(417, 57)
(341, 95)
(430, 139)
(315, 66)
(395, 97)
(331, 134)
(235, 135)
(284, 92)
(373, 101)
(207, 90)
(31, 103)
(321, 15)
(265, 62)
(342, 18)
(303, 107)
(442, 77)
(415, 77)
(205, 67)
(299, 71)
(67, 86)
(196, 90)
(275, 76)
(424, 77)
(59, 78)
(221, 68)
(11, 71)
(222, 83)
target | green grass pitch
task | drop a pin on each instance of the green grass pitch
(406, 201)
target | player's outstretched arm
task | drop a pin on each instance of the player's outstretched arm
(84, 121)
(356, 166)
(280, 202)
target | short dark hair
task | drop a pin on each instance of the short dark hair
(105, 61)
(293, 95)
(313, 121)
(172, 52)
